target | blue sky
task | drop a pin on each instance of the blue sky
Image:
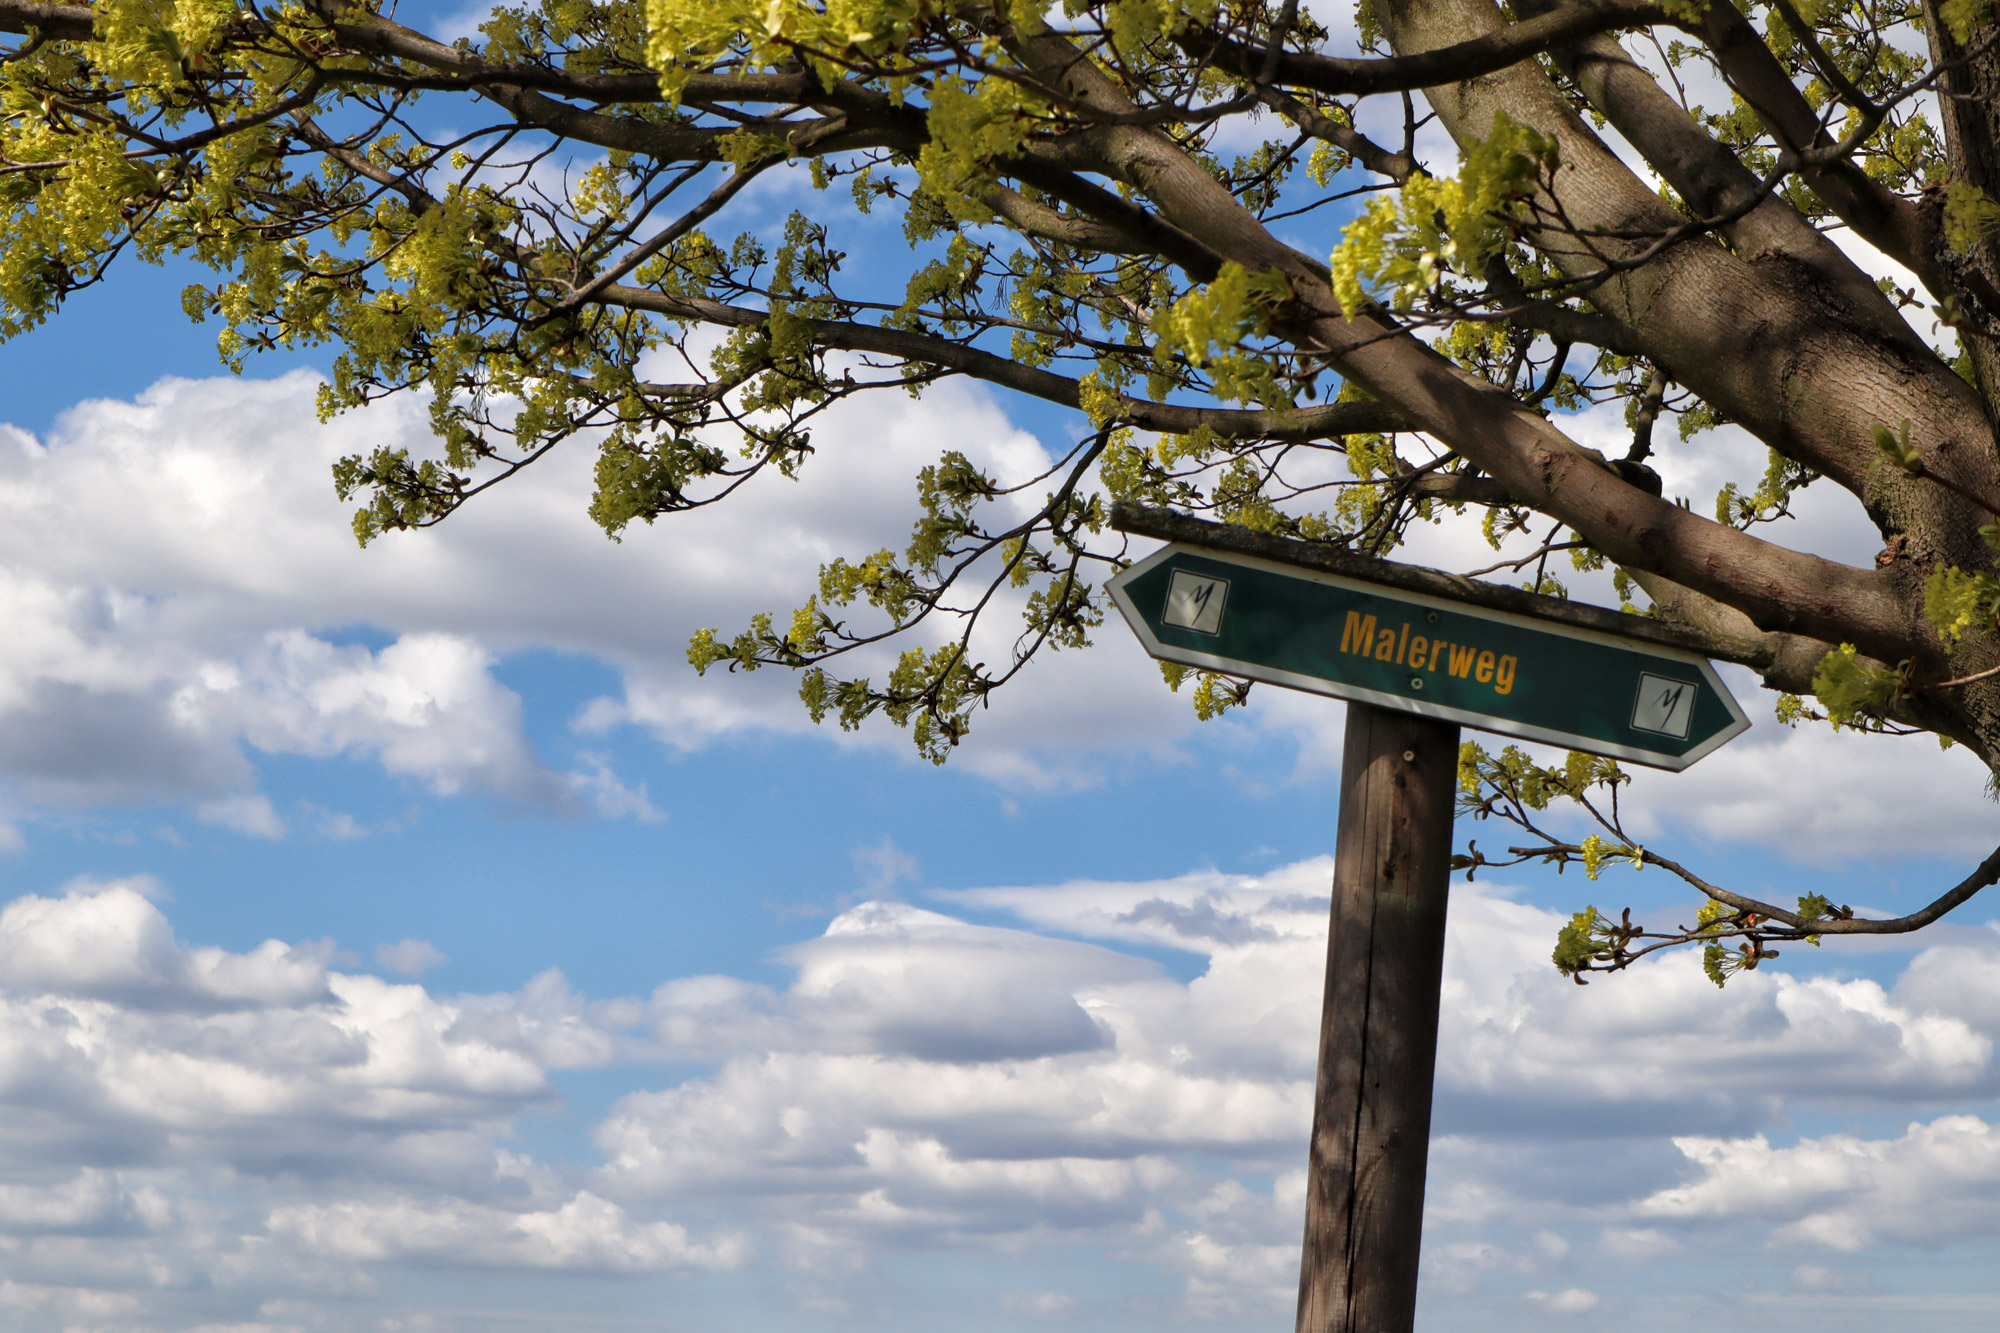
(407, 940)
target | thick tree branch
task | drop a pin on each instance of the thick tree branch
(1140, 228)
(1792, 660)
(1397, 166)
(1064, 229)
(1186, 195)
(1342, 76)
(1785, 330)
(1715, 182)
(515, 88)
(376, 34)
(1785, 661)
(1778, 588)
(1301, 425)
(1884, 219)
(69, 23)
(1562, 322)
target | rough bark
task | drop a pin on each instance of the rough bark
(1378, 1030)
(1778, 588)
(1809, 369)
(1969, 114)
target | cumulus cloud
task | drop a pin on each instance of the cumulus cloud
(111, 1030)
(933, 1140)
(175, 583)
(181, 590)
(90, 1202)
(111, 942)
(178, 1118)
(1939, 1181)
(181, 595)
(261, 1124)
(426, 706)
(1040, 1304)
(902, 981)
(1874, 797)
(584, 1234)
(1961, 978)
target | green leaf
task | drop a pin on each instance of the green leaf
(1853, 689)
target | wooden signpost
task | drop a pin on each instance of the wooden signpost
(1416, 653)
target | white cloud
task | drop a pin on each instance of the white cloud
(883, 864)
(902, 981)
(1961, 978)
(93, 1201)
(173, 569)
(412, 958)
(112, 1030)
(110, 942)
(923, 1082)
(545, 1022)
(585, 1234)
(1824, 798)
(178, 588)
(1818, 1277)
(67, 1302)
(178, 585)
(334, 825)
(1636, 1243)
(251, 814)
(1513, 1028)
(927, 1142)
(426, 706)
(1570, 1300)
(1938, 1182)
(1040, 1304)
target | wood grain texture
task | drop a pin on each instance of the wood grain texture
(1378, 1030)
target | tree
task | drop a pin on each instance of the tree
(1132, 209)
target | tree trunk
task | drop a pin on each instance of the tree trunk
(1378, 1030)
(1970, 81)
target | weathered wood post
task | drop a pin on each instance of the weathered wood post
(1378, 1029)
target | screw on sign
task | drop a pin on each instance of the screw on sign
(1416, 653)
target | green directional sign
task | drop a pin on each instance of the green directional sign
(1494, 670)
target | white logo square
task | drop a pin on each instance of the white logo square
(1663, 706)
(1194, 601)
